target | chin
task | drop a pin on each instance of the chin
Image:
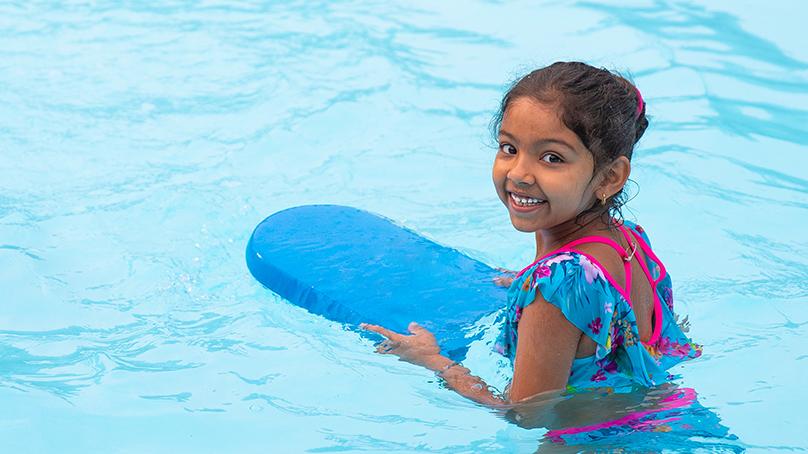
(524, 230)
(522, 226)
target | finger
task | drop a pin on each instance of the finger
(379, 330)
(503, 281)
(386, 347)
(415, 328)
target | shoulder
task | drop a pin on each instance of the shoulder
(639, 230)
(557, 275)
(575, 285)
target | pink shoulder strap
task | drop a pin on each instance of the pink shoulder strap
(657, 331)
(623, 254)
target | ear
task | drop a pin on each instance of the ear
(614, 177)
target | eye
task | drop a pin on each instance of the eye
(507, 148)
(552, 158)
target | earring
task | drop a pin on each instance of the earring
(603, 199)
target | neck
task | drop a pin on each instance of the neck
(553, 238)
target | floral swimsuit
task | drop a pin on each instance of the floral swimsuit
(590, 299)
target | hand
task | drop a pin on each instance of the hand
(507, 280)
(419, 347)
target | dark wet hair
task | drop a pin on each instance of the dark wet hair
(601, 107)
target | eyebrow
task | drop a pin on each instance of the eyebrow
(540, 142)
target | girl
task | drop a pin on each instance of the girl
(595, 308)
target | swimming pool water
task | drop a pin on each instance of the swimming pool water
(140, 144)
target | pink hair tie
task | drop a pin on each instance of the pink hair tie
(640, 103)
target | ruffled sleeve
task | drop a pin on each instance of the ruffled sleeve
(572, 283)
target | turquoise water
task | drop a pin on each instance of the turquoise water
(141, 144)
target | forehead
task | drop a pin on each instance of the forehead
(532, 120)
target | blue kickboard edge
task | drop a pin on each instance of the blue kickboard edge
(352, 266)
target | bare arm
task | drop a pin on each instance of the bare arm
(544, 351)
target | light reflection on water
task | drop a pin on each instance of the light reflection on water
(140, 146)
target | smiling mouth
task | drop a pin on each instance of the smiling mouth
(524, 201)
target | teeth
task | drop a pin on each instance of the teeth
(525, 201)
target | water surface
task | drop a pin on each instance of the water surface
(141, 144)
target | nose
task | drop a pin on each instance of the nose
(520, 175)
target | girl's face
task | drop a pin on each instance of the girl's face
(542, 171)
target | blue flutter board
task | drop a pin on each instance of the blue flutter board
(352, 266)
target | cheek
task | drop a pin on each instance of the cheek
(498, 173)
(579, 177)
(569, 189)
(582, 189)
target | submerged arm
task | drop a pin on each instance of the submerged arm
(420, 348)
(544, 353)
(459, 379)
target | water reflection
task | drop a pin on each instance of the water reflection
(639, 418)
(715, 45)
